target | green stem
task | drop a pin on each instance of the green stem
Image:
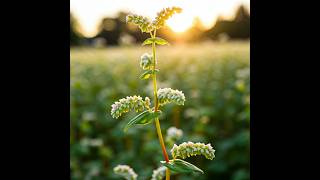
(156, 106)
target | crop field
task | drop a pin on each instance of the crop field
(215, 78)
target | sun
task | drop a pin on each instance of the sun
(180, 22)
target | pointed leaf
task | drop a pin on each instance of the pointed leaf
(161, 41)
(143, 118)
(148, 41)
(157, 40)
(181, 166)
(147, 74)
(137, 118)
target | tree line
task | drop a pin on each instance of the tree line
(115, 31)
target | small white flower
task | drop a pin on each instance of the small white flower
(174, 133)
(146, 61)
(159, 173)
(125, 171)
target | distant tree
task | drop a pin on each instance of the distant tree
(75, 36)
(242, 22)
(136, 33)
(110, 29)
(242, 15)
(238, 28)
(195, 33)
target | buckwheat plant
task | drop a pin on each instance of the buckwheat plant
(162, 97)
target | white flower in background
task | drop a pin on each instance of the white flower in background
(146, 61)
(243, 73)
(174, 133)
(89, 116)
(159, 173)
(125, 171)
(91, 142)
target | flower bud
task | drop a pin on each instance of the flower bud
(146, 61)
(147, 102)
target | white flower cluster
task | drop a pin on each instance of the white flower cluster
(164, 15)
(159, 173)
(168, 95)
(144, 23)
(147, 102)
(146, 61)
(125, 171)
(129, 103)
(174, 133)
(185, 150)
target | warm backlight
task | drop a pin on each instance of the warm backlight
(180, 22)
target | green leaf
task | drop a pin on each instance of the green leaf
(181, 166)
(143, 118)
(161, 41)
(148, 41)
(157, 40)
(147, 74)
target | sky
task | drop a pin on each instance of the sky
(90, 12)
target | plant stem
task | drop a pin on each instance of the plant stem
(156, 106)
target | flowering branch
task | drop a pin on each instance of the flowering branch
(162, 97)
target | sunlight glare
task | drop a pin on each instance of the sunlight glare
(180, 22)
(90, 13)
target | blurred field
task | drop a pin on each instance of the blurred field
(215, 80)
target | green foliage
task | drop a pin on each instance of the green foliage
(143, 118)
(148, 73)
(181, 166)
(157, 40)
(163, 97)
(217, 109)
